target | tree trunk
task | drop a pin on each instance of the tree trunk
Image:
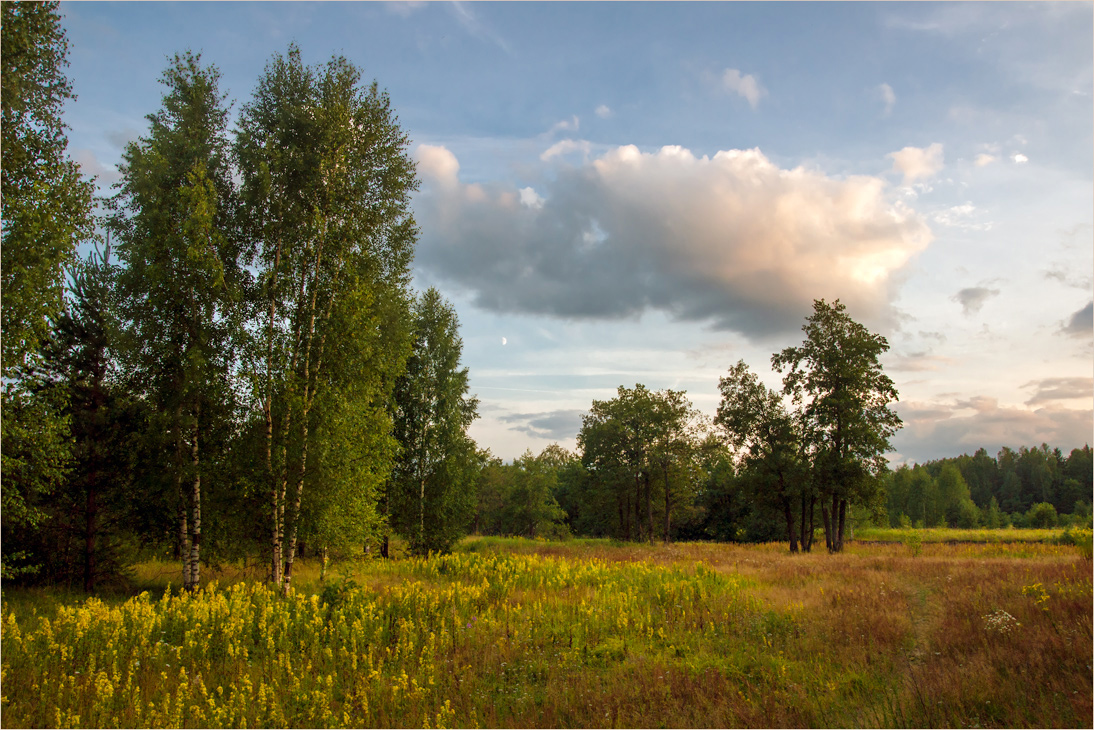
(806, 538)
(789, 514)
(195, 504)
(90, 529)
(827, 525)
(668, 505)
(839, 531)
(649, 509)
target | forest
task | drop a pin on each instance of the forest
(225, 360)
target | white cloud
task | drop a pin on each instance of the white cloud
(1019, 158)
(744, 85)
(566, 125)
(603, 111)
(564, 147)
(733, 240)
(888, 96)
(437, 163)
(916, 163)
(530, 197)
(984, 159)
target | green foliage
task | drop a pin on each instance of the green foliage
(46, 205)
(769, 443)
(836, 377)
(1041, 515)
(432, 485)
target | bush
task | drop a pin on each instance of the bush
(1041, 515)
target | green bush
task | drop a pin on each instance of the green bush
(1042, 515)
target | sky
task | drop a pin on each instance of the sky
(620, 193)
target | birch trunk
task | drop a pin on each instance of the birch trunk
(195, 503)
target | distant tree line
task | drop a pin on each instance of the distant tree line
(239, 367)
(1030, 487)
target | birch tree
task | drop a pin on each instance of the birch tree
(326, 181)
(180, 281)
(431, 495)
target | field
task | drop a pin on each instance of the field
(515, 633)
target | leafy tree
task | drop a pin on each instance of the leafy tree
(768, 440)
(182, 279)
(45, 210)
(837, 378)
(431, 489)
(46, 204)
(956, 502)
(326, 186)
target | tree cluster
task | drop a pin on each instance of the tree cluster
(1030, 487)
(242, 368)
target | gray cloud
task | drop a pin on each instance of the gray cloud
(1081, 323)
(932, 431)
(973, 298)
(732, 240)
(1052, 389)
(553, 425)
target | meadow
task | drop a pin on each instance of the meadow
(583, 633)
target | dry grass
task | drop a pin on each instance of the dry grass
(516, 633)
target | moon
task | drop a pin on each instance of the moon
(504, 341)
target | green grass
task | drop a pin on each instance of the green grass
(948, 534)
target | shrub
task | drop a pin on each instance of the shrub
(1041, 515)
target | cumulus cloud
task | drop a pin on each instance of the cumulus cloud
(744, 85)
(916, 163)
(888, 96)
(733, 240)
(553, 425)
(1019, 158)
(972, 299)
(1081, 323)
(984, 159)
(932, 430)
(1056, 389)
(603, 111)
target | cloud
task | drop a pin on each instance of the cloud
(1019, 158)
(915, 163)
(92, 166)
(476, 27)
(984, 159)
(552, 425)
(960, 216)
(565, 146)
(1054, 389)
(973, 298)
(404, 8)
(732, 240)
(438, 164)
(1066, 275)
(566, 125)
(745, 86)
(934, 430)
(888, 96)
(1081, 323)
(603, 111)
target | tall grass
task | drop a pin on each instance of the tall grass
(519, 633)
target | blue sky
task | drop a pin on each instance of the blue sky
(619, 193)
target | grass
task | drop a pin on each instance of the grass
(519, 633)
(947, 534)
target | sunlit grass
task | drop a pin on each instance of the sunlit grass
(509, 633)
(949, 534)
